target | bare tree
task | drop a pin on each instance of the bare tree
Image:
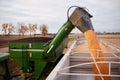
(5, 26)
(32, 28)
(19, 28)
(22, 30)
(44, 29)
(10, 29)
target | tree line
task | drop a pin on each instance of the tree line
(22, 29)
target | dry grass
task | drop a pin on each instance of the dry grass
(113, 41)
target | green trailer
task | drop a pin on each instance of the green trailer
(30, 55)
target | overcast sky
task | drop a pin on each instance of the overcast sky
(106, 13)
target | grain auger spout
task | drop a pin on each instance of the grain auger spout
(81, 19)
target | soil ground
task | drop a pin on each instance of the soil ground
(114, 39)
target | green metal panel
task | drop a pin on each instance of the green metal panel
(39, 68)
(62, 33)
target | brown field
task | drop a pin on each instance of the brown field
(4, 40)
(114, 39)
